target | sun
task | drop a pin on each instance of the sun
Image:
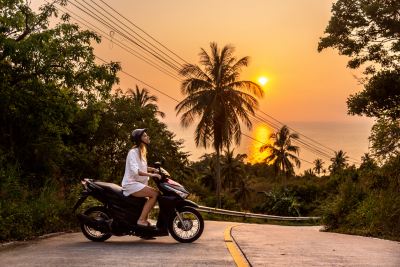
(263, 80)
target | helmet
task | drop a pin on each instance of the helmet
(136, 136)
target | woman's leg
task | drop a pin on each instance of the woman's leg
(152, 194)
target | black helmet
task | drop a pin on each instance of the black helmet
(136, 136)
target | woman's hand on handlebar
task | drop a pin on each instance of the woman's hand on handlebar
(153, 170)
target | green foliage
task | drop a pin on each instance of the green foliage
(281, 202)
(349, 197)
(282, 151)
(368, 205)
(25, 214)
(60, 122)
(380, 97)
(339, 162)
(385, 138)
(366, 30)
(216, 96)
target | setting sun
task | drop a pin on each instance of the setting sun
(262, 80)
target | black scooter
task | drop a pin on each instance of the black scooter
(119, 214)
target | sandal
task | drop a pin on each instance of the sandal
(144, 225)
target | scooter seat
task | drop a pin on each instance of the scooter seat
(116, 190)
(111, 187)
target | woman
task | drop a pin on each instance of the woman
(137, 174)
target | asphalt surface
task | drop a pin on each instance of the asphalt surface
(263, 245)
(273, 245)
(75, 250)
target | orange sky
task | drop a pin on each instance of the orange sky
(280, 36)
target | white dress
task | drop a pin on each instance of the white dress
(132, 181)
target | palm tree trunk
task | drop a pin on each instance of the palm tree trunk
(218, 169)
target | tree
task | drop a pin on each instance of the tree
(232, 168)
(366, 30)
(216, 96)
(110, 142)
(309, 173)
(367, 162)
(380, 97)
(242, 192)
(143, 99)
(282, 151)
(385, 138)
(47, 77)
(318, 166)
(339, 162)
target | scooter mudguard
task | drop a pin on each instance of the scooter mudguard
(186, 203)
(81, 199)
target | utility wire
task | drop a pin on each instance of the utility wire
(89, 13)
(138, 35)
(310, 146)
(137, 27)
(176, 100)
(135, 53)
(303, 134)
(143, 82)
(300, 142)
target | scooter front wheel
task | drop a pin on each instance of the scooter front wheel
(187, 225)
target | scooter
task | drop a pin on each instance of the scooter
(118, 214)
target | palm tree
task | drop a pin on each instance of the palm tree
(308, 173)
(243, 191)
(232, 167)
(339, 162)
(318, 166)
(143, 99)
(282, 151)
(216, 96)
(207, 175)
(367, 162)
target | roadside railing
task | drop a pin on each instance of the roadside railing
(254, 215)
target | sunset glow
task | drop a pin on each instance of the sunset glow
(262, 80)
(261, 133)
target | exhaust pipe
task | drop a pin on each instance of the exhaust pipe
(100, 224)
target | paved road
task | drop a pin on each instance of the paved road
(273, 245)
(263, 245)
(75, 250)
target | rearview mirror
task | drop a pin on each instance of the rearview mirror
(157, 164)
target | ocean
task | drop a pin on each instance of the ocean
(351, 137)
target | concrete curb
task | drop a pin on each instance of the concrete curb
(12, 244)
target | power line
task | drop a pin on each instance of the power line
(138, 35)
(137, 27)
(310, 146)
(266, 144)
(143, 82)
(88, 12)
(176, 100)
(303, 135)
(298, 141)
(135, 53)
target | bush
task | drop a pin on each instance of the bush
(25, 213)
(369, 205)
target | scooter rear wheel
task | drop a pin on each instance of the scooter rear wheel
(90, 233)
(190, 228)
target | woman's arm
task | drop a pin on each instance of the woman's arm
(149, 174)
(151, 169)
